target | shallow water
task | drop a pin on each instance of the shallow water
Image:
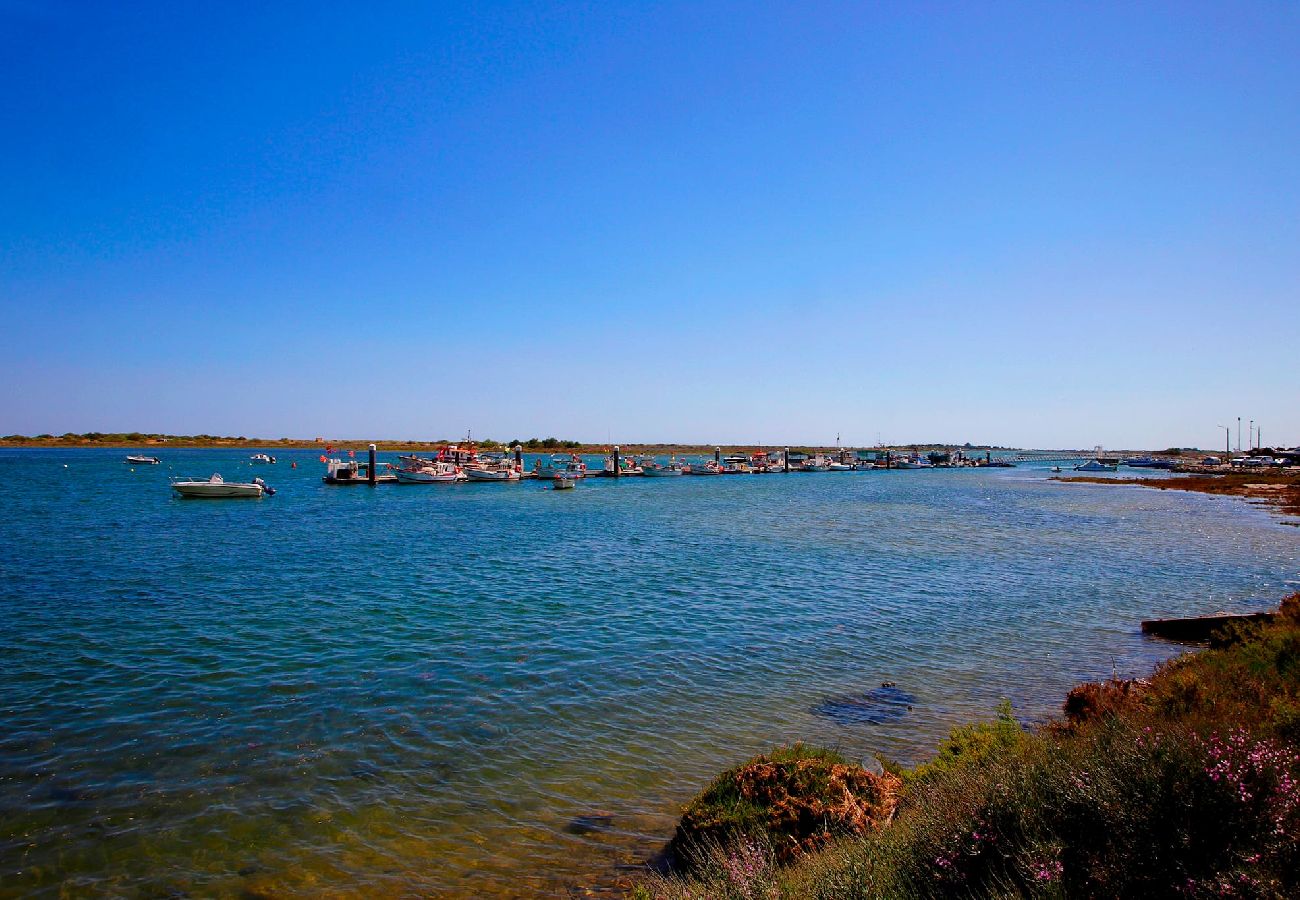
(501, 689)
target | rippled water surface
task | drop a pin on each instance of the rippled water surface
(500, 689)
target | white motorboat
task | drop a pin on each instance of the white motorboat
(1095, 465)
(426, 471)
(838, 467)
(218, 488)
(563, 482)
(143, 460)
(261, 459)
(704, 468)
(492, 474)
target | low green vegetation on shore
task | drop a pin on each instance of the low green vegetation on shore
(1184, 785)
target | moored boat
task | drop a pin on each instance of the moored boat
(1095, 465)
(428, 472)
(703, 468)
(215, 488)
(352, 471)
(261, 459)
(559, 464)
(563, 482)
(655, 469)
(143, 460)
(736, 465)
(492, 474)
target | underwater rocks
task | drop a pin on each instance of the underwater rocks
(887, 703)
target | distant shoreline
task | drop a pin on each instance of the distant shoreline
(82, 443)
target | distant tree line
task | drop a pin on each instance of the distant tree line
(550, 443)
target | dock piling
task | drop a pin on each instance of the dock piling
(519, 457)
(785, 460)
(371, 474)
(617, 470)
(717, 456)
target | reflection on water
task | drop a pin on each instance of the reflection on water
(497, 688)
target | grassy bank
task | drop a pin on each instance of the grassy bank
(1187, 784)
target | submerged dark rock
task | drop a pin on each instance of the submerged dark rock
(887, 703)
(589, 823)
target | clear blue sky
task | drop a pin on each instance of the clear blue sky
(1039, 224)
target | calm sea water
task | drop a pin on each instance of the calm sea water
(424, 689)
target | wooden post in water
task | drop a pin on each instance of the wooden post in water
(717, 455)
(617, 471)
(785, 460)
(372, 474)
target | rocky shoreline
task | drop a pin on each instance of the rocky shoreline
(1280, 490)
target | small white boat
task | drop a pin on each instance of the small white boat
(703, 468)
(563, 482)
(426, 471)
(143, 460)
(261, 459)
(218, 488)
(838, 467)
(493, 474)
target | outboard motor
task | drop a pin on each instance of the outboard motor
(269, 491)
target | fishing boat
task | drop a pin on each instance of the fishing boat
(736, 465)
(217, 488)
(352, 471)
(655, 469)
(495, 473)
(704, 468)
(143, 460)
(261, 459)
(626, 466)
(814, 464)
(428, 472)
(559, 464)
(838, 467)
(563, 482)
